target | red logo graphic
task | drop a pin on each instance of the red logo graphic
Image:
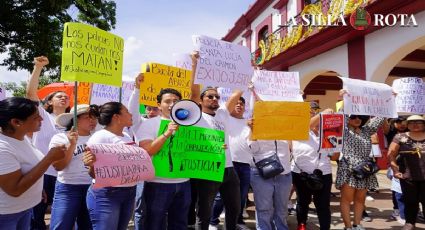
(360, 19)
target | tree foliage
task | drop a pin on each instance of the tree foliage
(33, 28)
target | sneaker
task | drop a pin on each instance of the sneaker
(245, 214)
(395, 214)
(358, 227)
(369, 198)
(366, 217)
(242, 227)
(301, 227)
(222, 215)
(401, 221)
(292, 211)
(213, 227)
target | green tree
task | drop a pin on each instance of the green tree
(34, 27)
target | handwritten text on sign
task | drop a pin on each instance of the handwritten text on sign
(410, 95)
(281, 120)
(277, 86)
(120, 164)
(368, 98)
(195, 153)
(158, 76)
(105, 93)
(222, 63)
(182, 60)
(331, 132)
(92, 55)
(225, 94)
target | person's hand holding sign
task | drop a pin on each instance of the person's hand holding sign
(88, 159)
(172, 128)
(139, 79)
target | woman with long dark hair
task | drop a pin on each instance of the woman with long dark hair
(21, 164)
(55, 104)
(110, 207)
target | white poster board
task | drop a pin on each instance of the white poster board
(222, 64)
(182, 60)
(368, 98)
(101, 94)
(410, 97)
(277, 85)
(225, 93)
(2, 93)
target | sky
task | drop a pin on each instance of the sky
(153, 30)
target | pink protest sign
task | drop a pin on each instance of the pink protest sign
(120, 164)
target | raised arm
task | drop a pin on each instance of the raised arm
(32, 86)
(196, 89)
(233, 100)
(133, 103)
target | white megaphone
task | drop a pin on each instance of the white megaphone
(185, 112)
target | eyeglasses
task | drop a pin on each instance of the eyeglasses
(151, 109)
(361, 117)
(213, 96)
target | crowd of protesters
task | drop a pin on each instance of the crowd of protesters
(44, 160)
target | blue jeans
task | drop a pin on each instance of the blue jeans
(69, 206)
(110, 207)
(167, 202)
(271, 200)
(39, 211)
(244, 173)
(18, 221)
(139, 216)
(400, 203)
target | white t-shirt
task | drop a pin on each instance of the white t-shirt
(219, 122)
(41, 139)
(265, 148)
(75, 172)
(239, 132)
(307, 158)
(105, 137)
(149, 131)
(15, 155)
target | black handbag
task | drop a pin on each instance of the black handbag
(270, 166)
(364, 169)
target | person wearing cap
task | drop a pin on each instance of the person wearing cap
(307, 159)
(410, 168)
(216, 117)
(69, 202)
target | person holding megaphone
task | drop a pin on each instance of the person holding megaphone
(166, 199)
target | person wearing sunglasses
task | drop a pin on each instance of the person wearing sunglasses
(410, 167)
(216, 117)
(356, 150)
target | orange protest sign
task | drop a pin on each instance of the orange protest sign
(83, 94)
(281, 120)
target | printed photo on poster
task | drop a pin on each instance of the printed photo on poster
(331, 132)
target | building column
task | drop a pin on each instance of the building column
(357, 59)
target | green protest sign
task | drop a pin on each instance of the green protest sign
(192, 152)
(90, 54)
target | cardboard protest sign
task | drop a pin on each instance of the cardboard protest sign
(275, 120)
(183, 61)
(120, 164)
(192, 152)
(368, 98)
(410, 97)
(277, 85)
(2, 93)
(331, 132)
(83, 93)
(225, 93)
(222, 63)
(158, 76)
(90, 54)
(105, 93)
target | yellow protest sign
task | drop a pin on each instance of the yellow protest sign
(281, 120)
(90, 54)
(339, 106)
(158, 76)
